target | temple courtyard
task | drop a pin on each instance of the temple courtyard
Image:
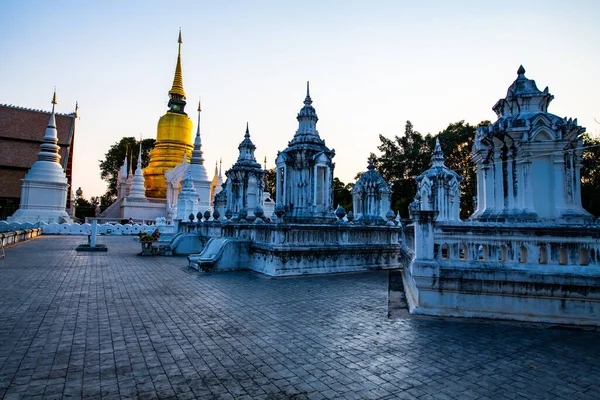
(118, 325)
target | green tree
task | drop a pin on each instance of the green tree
(113, 160)
(402, 159)
(405, 157)
(457, 142)
(342, 194)
(590, 175)
(84, 208)
(270, 184)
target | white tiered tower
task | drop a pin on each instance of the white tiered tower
(137, 190)
(197, 171)
(305, 172)
(438, 189)
(44, 189)
(245, 179)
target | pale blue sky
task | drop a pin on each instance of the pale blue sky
(372, 65)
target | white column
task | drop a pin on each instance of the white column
(278, 192)
(489, 187)
(577, 181)
(480, 191)
(510, 180)
(558, 169)
(527, 183)
(498, 181)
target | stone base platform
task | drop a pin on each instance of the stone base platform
(88, 248)
(524, 292)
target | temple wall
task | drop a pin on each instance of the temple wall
(527, 272)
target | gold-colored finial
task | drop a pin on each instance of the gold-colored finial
(54, 97)
(199, 105)
(177, 88)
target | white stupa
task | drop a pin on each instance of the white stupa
(197, 170)
(44, 189)
(137, 191)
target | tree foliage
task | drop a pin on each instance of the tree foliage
(270, 184)
(113, 160)
(403, 158)
(590, 175)
(342, 194)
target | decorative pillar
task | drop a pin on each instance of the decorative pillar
(424, 240)
(559, 182)
(488, 178)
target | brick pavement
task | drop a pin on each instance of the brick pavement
(116, 325)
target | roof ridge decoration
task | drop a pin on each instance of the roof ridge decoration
(73, 114)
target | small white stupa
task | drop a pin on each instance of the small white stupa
(217, 182)
(137, 191)
(197, 170)
(44, 189)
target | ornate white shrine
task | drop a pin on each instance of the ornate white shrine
(245, 180)
(528, 161)
(305, 172)
(371, 196)
(438, 189)
(529, 252)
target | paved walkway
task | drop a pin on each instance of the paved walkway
(119, 325)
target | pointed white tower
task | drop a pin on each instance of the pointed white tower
(438, 188)
(122, 187)
(217, 183)
(197, 170)
(305, 172)
(137, 191)
(44, 189)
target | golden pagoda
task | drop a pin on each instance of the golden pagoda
(173, 137)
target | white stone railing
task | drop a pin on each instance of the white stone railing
(103, 229)
(516, 244)
(325, 235)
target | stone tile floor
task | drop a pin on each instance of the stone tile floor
(116, 325)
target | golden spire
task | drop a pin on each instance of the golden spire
(177, 88)
(54, 97)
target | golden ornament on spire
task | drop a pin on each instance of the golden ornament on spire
(177, 88)
(54, 97)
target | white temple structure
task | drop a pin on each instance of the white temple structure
(198, 172)
(371, 196)
(438, 188)
(44, 189)
(305, 237)
(305, 172)
(245, 180)
(188, 202)
(528, 161)
(530, 251)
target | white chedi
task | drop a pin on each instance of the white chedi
(45, 187)
(187, 203)
(137, 190)
(197, 171)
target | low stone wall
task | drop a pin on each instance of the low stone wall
(279, 249)
(527, 272)
(9, 238)
(103, 229)
(569, 294)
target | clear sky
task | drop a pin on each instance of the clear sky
(372, 66)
